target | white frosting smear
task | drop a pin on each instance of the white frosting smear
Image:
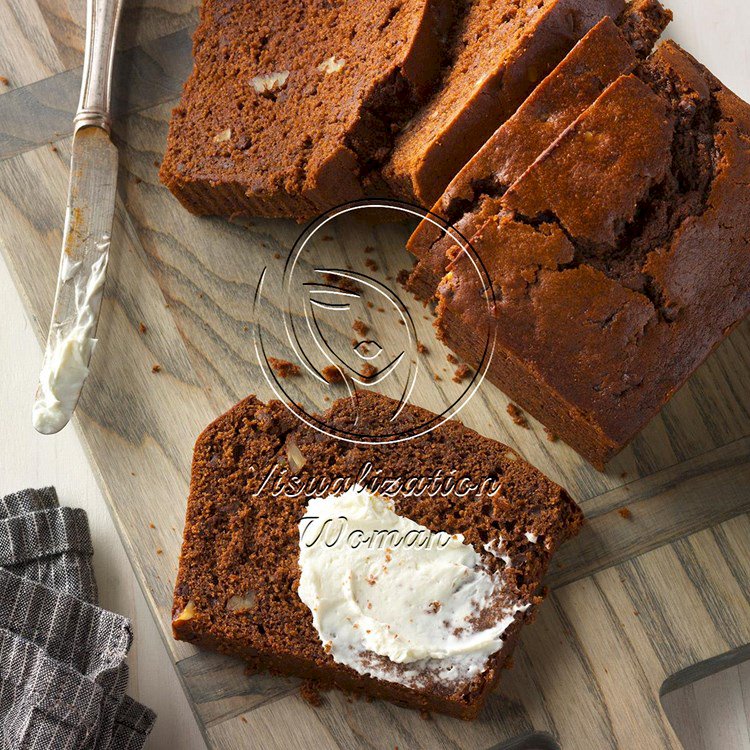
(65, 365)
(395, 601)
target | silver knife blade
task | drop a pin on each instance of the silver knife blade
(80, 283)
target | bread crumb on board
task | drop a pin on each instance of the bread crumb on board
(332, 374)
(360, 327)
(518, 417)
(462, 372)
(283, 368)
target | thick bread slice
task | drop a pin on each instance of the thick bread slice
(498, 54)
(605, 52)
(293, 103)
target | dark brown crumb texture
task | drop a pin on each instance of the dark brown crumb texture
(619, 259)
(292, 104)
(607, 51)
(498, 51)
(236, 589)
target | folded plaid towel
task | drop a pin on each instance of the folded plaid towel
(62, 658)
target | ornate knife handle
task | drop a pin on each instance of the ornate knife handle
(102, 17)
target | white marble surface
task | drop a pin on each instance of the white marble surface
(711, 715)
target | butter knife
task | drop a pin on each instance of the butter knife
(88, 226)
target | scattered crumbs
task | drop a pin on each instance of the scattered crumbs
(4, 81)
(159, 551)
(426, 317)
(142, 327)
(156, 163)
(155, 368)
(277, 255)
(424, 714)
(245, 328)
(137, 180)
(369, 249)
(401, 322)
(151, 526)
(437, 377)
(625, 513)
(381, 309)
(461, 373)
(371, 264)
(310, 692)
(368, 370)
(332, 374)
(452, 359)
(132, 473)
(550, 435)
(421, 348)
(53, 148)
(340, 282)
(283, 368)
(325, 398)
(518, 417)
(370, 304)
(243, 719)
(326, 238)
(636, 613)
(435, 607)
(201, 295)
(623, 475)
(360, 327)
(349, 267)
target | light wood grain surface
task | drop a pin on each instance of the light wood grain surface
(635, 602)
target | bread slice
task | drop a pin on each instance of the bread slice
(619, 260)
(607, 51)
(498, 53)
(293, 103)
(237, 586)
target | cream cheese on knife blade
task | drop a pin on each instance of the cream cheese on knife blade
(65, 367)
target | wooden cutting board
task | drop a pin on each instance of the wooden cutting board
(639, 605)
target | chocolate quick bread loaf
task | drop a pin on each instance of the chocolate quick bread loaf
(292, 103)
(241, 578)
(498, 52)
(619, 259)
(605, 52)
(292, 107)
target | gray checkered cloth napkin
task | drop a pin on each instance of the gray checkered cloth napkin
(62, 658)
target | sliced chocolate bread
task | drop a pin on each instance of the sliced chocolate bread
(620, 258)
(447, 534)
(292, 104)
(498, 52)
(607, 51)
